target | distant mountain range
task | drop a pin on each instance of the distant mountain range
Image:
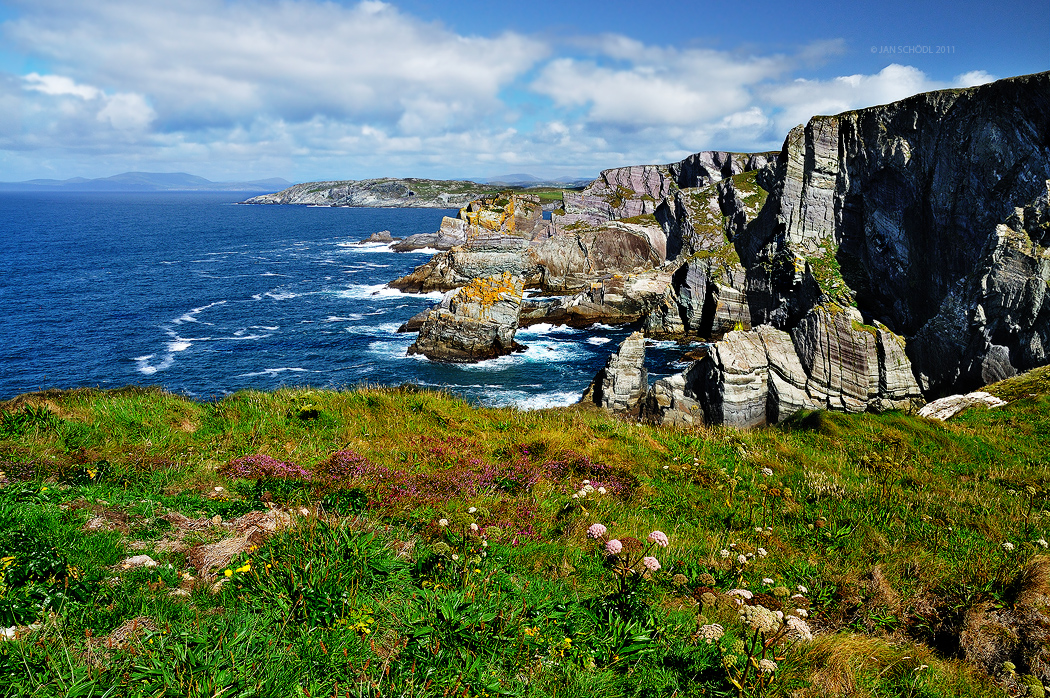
(145, 181)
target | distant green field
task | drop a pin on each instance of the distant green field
(430, 547)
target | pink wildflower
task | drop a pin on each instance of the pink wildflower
(658, 537)
(596, 531)
(651, 563)
(613, 547)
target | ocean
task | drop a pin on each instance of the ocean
(204, 297)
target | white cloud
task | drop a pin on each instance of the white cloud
(801, 99)
(207, 62)
(57, 85)
(656, 86)
(313, 89)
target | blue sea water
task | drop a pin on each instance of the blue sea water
(204, 297)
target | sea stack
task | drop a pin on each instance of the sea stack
(474, 323)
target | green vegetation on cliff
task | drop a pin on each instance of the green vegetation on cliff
(428, 547)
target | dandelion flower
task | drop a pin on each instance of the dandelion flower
(613, 547)
(651, 563)
(659, 537)
(596, 531)
(228, 573)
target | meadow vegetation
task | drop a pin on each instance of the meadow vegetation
(403, 542)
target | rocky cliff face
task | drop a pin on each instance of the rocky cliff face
(929, 215)
(378, 193)
(887, 255)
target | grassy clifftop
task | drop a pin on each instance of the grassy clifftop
(392, 541)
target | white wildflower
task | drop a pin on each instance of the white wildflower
(742, 559)
(767, 580)
(802, 589)
(767, 666)
(472, 510)
(1008, 546)
(762, 552)
(768, 472)
(724, 553)
(711, 633)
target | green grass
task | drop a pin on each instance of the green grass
(893, 524)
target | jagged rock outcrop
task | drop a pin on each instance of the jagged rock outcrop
(381, 236)
(501, 215)
(831, 360)
(929, 215)
(475, 323)
(621, 385)
(629, 192)
(705, 299)
(386, 192)
(559, 263)
(616, 299)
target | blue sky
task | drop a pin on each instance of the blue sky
(311, 90)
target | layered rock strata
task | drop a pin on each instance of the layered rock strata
(475, 323)
(928, 214)
(831, 360)
(621, 385)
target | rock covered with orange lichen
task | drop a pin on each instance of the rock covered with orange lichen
(474, 323)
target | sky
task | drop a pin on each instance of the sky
(311, 90)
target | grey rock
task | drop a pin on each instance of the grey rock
(948, 407)
(929, 214)
(381, 236)
(475, 323)
(622, 384)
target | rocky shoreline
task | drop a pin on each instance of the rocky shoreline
(883, 257)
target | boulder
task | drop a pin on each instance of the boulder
(621, 385)
(948, 407)
(381, 236)
(478, 322)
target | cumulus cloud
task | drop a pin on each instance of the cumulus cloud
(795, 102)
(317, 89)
(210, 63)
